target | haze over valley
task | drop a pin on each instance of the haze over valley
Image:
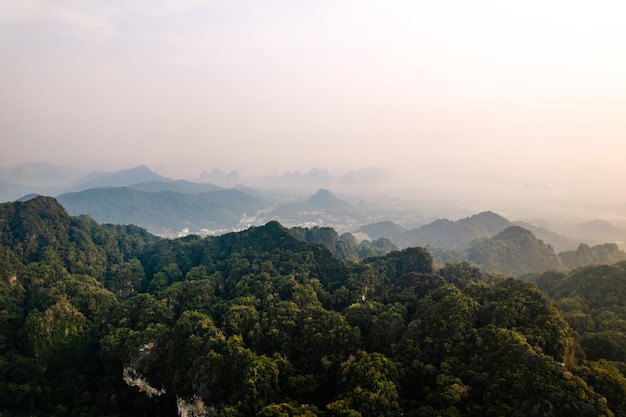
(312, 209)
(141, 196)
(352, 224)
(514, 108)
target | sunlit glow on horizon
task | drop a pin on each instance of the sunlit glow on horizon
(432, 91)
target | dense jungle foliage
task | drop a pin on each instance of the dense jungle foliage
(104, 320)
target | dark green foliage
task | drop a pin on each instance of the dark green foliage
(520, 306)
(344, 247)
(514, 251)
(109, 320)
(593, 299)
(608, 380)
(381, 325)
(125, 279)
(326, 236)
(398, 263)
(508, 377)
(609, 344)
(368, 384)
(462, 273)
(600, 286)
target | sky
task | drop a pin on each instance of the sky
(475, 96)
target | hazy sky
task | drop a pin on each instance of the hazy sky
(528, 92)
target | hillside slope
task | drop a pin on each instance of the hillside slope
(164, 212)
(110, 320)
(514, 251)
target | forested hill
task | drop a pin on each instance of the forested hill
(100, 320)
(514, 251)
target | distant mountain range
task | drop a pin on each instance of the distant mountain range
(170, 207)
(321, 178)
(515, 250)
(166, 206)
(47, 179)
(457, 235)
